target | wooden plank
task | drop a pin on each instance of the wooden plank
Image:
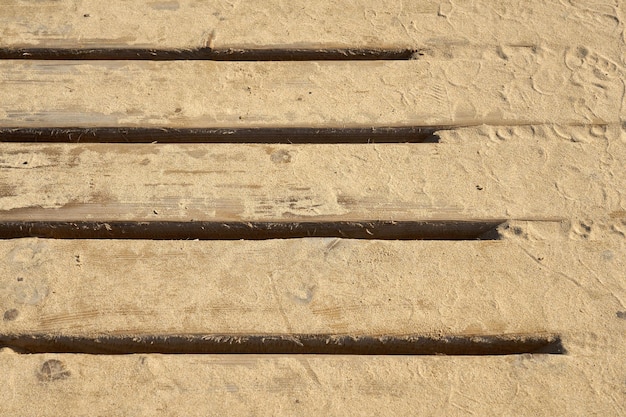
(73, 385)
(532, 172)
(220, 24)
(557, 279)
(528, 86)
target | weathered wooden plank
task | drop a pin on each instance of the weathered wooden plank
(299, 24)
(526, 86)
(191, 385)
(478, 173)
(556, 281)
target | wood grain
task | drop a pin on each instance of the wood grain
(299, 24)
(47, 385)
(529, 86)
(527, 100)
(488, 173)
(324, 286)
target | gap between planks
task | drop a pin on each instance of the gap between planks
(291, 135)
(209, 54)
(310, 344)
(388, 230)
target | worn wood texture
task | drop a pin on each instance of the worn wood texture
(49, 385)
(422, 24)
(566, 277)
(526, 86)
(539, 87)
(537, 172)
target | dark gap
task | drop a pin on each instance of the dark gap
(405, 134)
(293, 344)
(210, 54)
(160, 230)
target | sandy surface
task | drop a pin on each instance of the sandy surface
(533, 97)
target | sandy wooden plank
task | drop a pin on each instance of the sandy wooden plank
(526, 86)
(549, 172)
(422, 24)
(137, 385)
(557, 279)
